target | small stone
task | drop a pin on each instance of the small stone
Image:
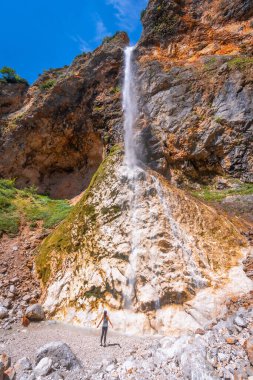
(200, 332)
(15, 248)
(3, 312)
(43, 367)
(240, 322)
(35, 312)
(27, 297)
(231, 340)
(23, 364)
(7, 303)
(13, 289)
(110, 368)
(14, 280)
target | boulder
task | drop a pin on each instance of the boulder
(3, 312)
(35, 312)
(43, 367)
(60, 353)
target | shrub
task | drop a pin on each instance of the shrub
(47, 84)
(240, 62)
(107, 39)
(218, 120)
(9, 75)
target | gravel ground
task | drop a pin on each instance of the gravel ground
(85, 343)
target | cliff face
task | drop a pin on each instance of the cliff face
(56, 140)
(195, 68)
(12, 96)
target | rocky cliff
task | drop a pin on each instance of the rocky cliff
(195, 69)
(135, 243)
(56, 140)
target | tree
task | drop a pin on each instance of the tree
(9, 75)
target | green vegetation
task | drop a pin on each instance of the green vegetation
(107, 39)
(98, 108)
(115, 90)
(110, 38)
(27, 205)
(218, 120)
(9, 75)
(240, 62)
(47, 84)
(61, 243)
(210, 194)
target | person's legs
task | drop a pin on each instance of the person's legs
(102, 335)
(105, 333)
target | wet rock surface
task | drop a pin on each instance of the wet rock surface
(177, 263)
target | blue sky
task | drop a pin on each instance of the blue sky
(40, 34)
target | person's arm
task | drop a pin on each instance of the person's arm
(110, 321)
(100, 322)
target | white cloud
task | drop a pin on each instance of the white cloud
(128, 12)
(83, 45)
(101, 30)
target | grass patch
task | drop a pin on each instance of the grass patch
(27, 204)
(240, 62)
(211, 194)
(47, 84)
(218, 120)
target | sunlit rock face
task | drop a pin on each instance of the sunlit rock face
(54, 135)
(194, 68)
(158, 259)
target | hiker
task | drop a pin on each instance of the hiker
(105, 319)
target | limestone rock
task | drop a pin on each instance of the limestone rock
(35, 313)
(240, 322)
(43, 367)
(23, 364)
(3, 312)
(176, 265)
(60, 353)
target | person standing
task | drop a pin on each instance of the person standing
(106, 320)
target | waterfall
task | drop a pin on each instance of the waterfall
(130, 116)
(129, 108)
